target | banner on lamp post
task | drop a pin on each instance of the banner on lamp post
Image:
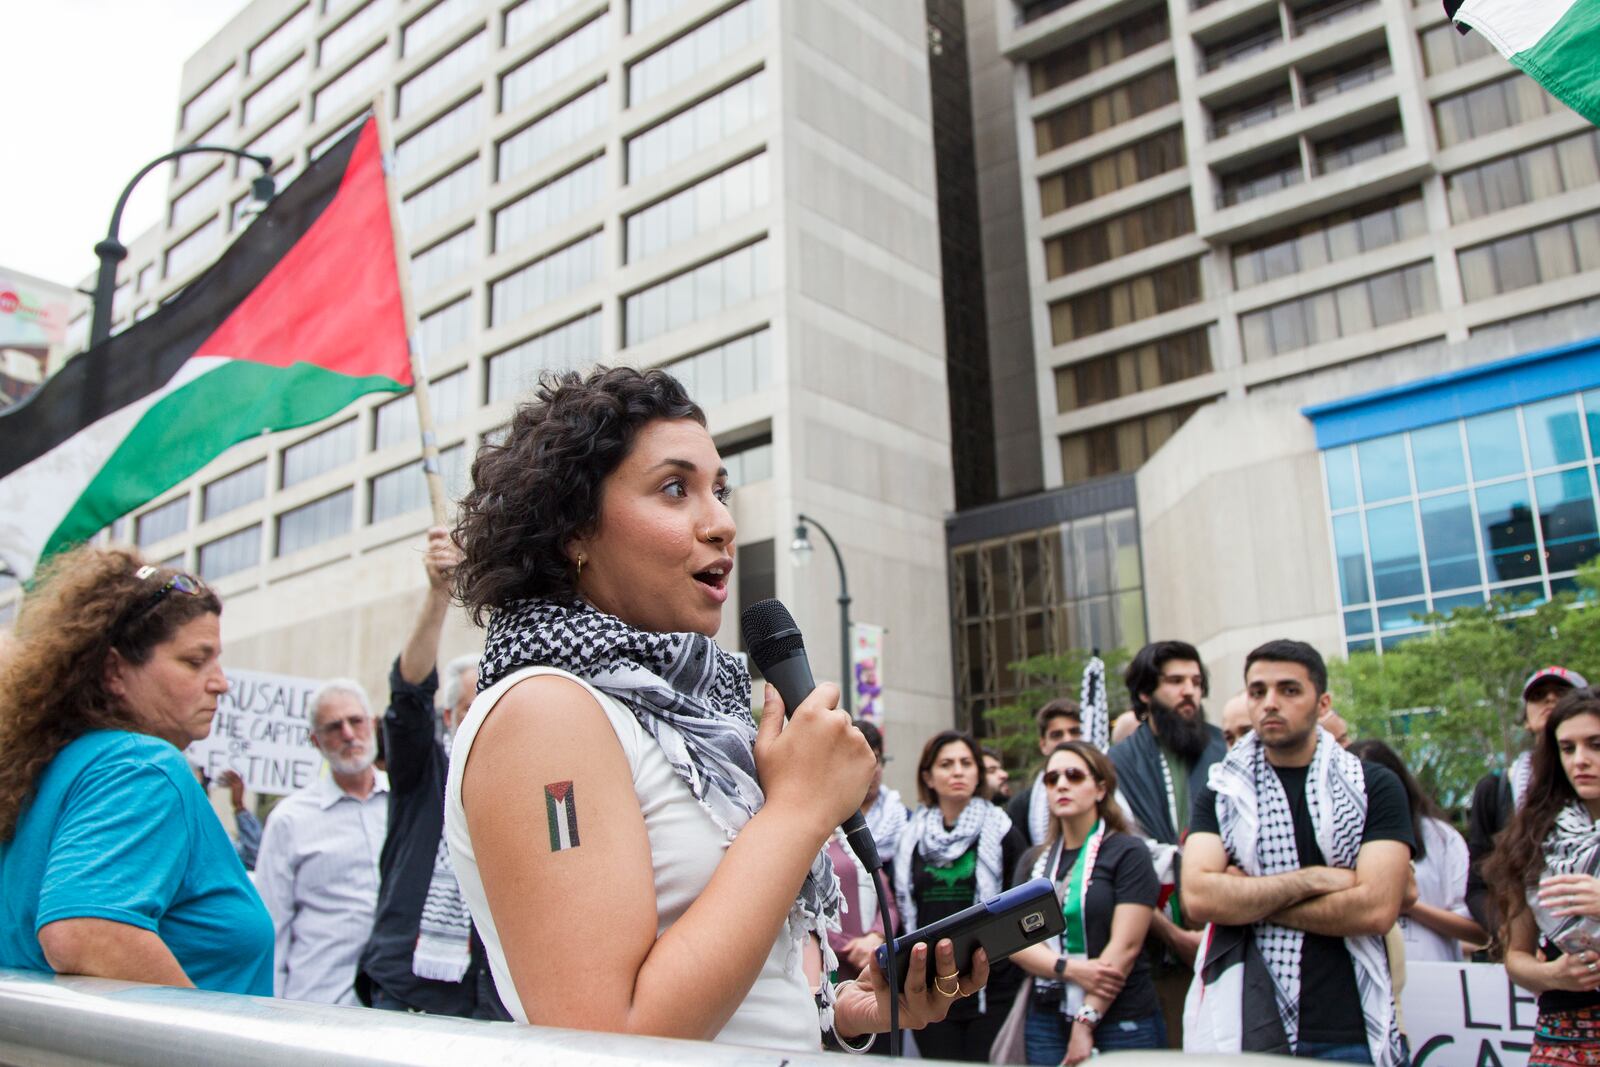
(866, 670)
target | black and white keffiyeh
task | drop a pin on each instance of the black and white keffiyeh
(1572, 847)
(444, 932)
(1520, 774)
(886, 820)
(1038, 811)
(926, 836)
(1257, 827)
(1095, 711)
(688, 694)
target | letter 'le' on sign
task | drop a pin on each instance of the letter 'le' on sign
(561, 809)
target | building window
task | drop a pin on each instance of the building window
(1358, 146)
(210, 99)
(1115, 170)
(1098, 113)
(1353, 308)
(703, 206)
(1241, 44)
(1253, 110)
(1259, 179)
(442, 196)
(1120, 303)
(319, 454)
(219, 132)
(405, 489)
(438, 137)
(395, 421)
(1064, 589)
(642, 13)
(1489, 108)
(192, 250)
(1321, 13)
(547, 278)
(1531, 258)
(1120, 447)
(545, 205)
(1160, 220)
(285, 85)
(278, 43)
(529, 16)
(757, 574)
(1112, 45)
(748, 462)
(697, 127)
(355, 31)
(1536, 173)
(557, 61)
(730, 371)
(313, 523)
(354, 82)
(1443, 516)
(1346, 75)
(439, 263)
(1133, 370)
(160, 523)
(571, 346)
(695, 294)
(231, 554)
(198, 199)
(424, 87)
(702, 47)
(443, 329)
(234, 491)
(438, 21)
(551, 132)
(1329, 239)
(1445, 48)
(277, 141)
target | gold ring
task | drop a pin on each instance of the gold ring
(946, 978)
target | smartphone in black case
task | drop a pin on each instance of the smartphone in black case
(1012, 921)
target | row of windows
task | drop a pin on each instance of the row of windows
(697, 127)
(1133, 370)
(424, 87)
(550, 203)
(1353, 308)
(442, 261)
(358, 28)
(279, 88)
(439, 20)
(1329, 239)
(1490, 108)
(1120, 303)
(439, 136)
(703, 206)
(522, 20)
(547, 67)
(442, 329)
(192, 250)
(706, 44)
(395, 422)
(552, 132)
(1524, 259)
(695, 294)
(1115, 170)
(1095, 114)
(445, 195)
(354, 83)
(1314, 86)
(1120, 447)
(277, 44)
(1150, 224)
(570, 346)
(1533, 174)
(197, 199)
(1111, 45)
(547, 278)
(1333, 153)
(1445, 48)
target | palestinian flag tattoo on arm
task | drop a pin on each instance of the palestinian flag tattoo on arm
(561, 809)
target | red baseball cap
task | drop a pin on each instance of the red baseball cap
(1561, 674)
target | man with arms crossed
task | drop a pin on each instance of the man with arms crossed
(1299, 857)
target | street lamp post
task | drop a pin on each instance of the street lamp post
(112, 251)
(800, 553)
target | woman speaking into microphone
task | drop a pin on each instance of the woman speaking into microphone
(637, 854)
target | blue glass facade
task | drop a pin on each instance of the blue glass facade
(1438, 512)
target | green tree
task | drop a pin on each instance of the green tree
(1450, 701)
(1012, 727)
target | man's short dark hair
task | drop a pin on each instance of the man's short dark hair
(1286, 651)
(1144, 671)
(873, 735)
(993, 753)
(1059, 708)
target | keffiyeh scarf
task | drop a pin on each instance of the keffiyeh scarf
(1257, 826)
(926, 836)
(444, 934)
(1039, 811)
(1520, 774)
(687, 693)
(1092, 699)
(1572, 847)
(886, 820)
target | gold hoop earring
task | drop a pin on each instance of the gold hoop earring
(580, 566)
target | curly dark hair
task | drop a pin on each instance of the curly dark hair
(1143, 673)
(540, 488)
(1518, 858)
(83, 604)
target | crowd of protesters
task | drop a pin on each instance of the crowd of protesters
(1253, 887)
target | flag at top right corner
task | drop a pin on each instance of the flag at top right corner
(1554, 42)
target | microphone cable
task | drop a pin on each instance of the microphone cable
(880, 883)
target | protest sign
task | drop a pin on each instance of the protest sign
(263, 731)
(1467, 1015)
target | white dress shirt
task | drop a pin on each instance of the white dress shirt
(317, 873)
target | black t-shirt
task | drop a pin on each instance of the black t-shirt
(1330, 1004)
(941, 891)
(1123, 874)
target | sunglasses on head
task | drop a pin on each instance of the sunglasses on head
(180, 582)
(1073, 775)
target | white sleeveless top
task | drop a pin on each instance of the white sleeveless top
(685, 848)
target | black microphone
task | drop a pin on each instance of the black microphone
(779, 651)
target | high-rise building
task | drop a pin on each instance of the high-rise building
(740, 192)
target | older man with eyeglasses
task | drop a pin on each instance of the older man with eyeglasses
(317, 870)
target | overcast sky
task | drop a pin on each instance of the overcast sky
(91, 94)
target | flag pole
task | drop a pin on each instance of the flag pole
(419, 373)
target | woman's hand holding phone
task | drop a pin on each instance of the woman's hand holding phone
(865, 1002)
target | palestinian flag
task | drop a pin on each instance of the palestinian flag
(1554, 42)
(300, 316)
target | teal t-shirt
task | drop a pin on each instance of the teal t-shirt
(119, 829)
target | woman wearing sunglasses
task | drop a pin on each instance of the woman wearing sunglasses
(112, 861)
(1091, 988)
